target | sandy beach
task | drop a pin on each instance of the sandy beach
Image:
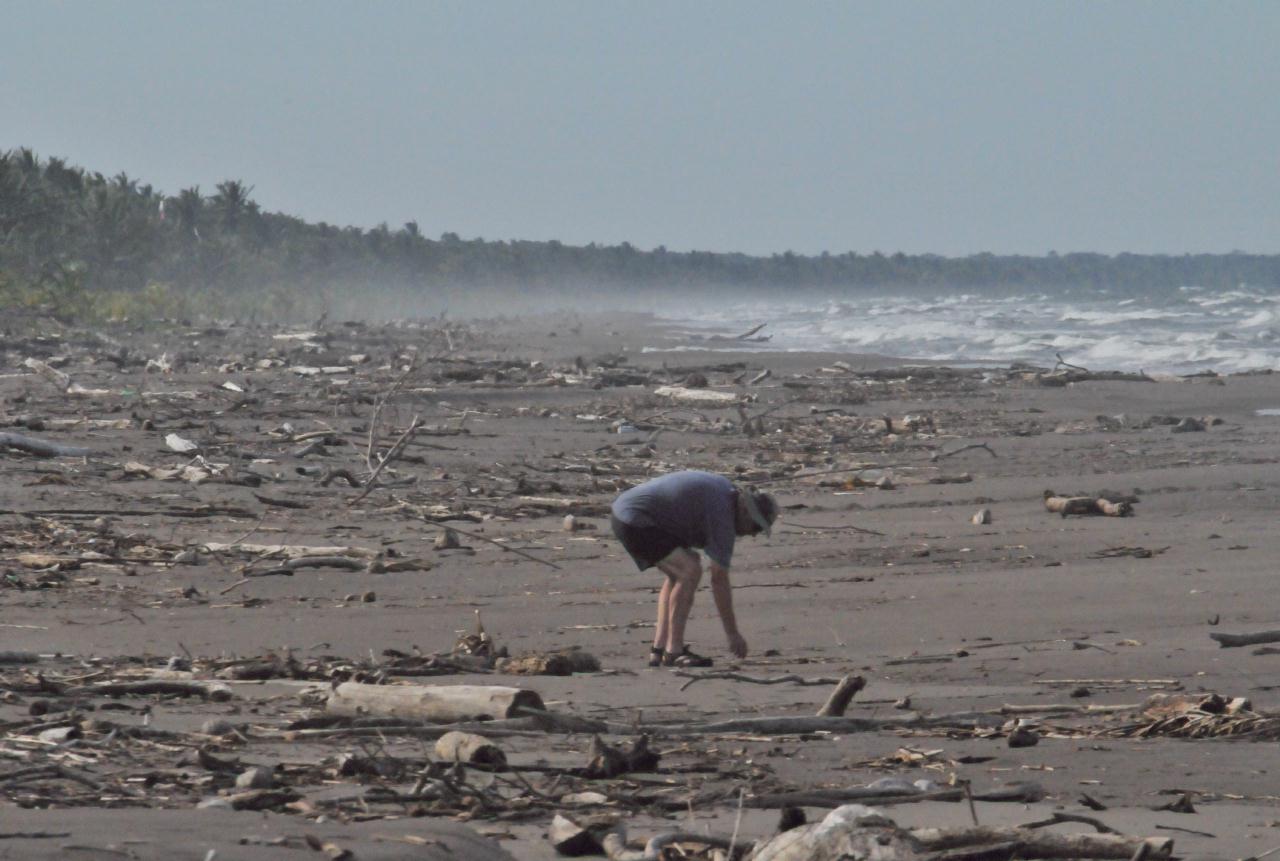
(882, 566)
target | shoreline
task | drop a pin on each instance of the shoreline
(898, 583)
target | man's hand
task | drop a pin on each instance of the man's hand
(722, 592)
(737, 645)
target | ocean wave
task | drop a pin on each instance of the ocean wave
(1180, 331)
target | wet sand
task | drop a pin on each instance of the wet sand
(957, 617)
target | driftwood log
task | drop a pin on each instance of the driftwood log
(434, 703)
(706, 397)
(855, 831)
(41, 447)
(571, 839)
(1232, 641)
(565, 662)
(469, 748)
(215, 691)
(1086, 505)
(849, 832)
(1043, 844)
(615, 844)
(607, 761)
(841, 697)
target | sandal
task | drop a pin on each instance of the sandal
(655, 656)
(686, 658)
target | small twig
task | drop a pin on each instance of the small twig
(251, 531)
(968, 796)
(1186, 831)
(799, 475)
(737, 823)
(755, 680)
(939, 455)
(1266, 854)
(1058, 818)
(390, 456)
(234, 585)
(849, 527)
(377, 411)
(1065, 364)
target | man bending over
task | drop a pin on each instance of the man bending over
(660, 523)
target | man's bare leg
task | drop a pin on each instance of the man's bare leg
(683, 571)
(664, 602)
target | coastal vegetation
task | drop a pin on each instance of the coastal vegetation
(79, 243)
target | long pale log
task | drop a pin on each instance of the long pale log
(215, 691)
(1232, 641)
(1067, 505)
(1044, 844)
(290, 551)
(434, 703)
(697, 396)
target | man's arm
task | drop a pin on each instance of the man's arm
(722, 592)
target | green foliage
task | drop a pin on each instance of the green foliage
(78, 243)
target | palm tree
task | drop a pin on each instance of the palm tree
(232, 200)
(187, 207)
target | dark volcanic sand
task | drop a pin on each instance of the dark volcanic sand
(1028, 597)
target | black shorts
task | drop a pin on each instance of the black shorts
(647, 545)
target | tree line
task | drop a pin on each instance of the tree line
(60, 222)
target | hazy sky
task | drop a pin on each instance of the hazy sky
(949, 127)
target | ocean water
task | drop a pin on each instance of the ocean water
(1179, 331)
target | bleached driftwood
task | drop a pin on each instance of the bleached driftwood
(856, 831)
(841, 697)
(615, 844)
(848, 832)
(697, 396)
(1113, 509)
(215, 691)
(57, 378)
(434, 703)
(1043, 844)
(469, 748)
(287, 550)
(1086, 505)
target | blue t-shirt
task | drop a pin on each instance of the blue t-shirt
(698, 508)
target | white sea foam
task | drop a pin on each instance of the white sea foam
(1176, 331)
